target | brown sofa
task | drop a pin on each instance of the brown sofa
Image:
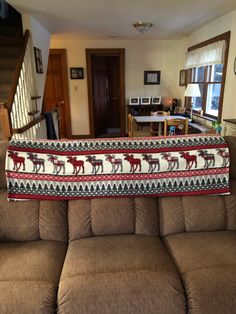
(164, 255)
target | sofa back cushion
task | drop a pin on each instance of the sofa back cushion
(3, 148)
(32, 220)
(198, 213)
(29, 220)
(19, 221)
(231, 141)
(112, 216)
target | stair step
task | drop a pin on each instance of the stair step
(11, 40)
(7, 63)
(9, 30)
(9, 51)
(5, 89)
(3, 99)
(6, 76)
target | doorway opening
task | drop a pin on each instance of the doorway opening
(106, 92)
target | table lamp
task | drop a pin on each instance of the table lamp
(192, 90)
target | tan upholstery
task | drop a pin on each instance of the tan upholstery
(198, 213)
(231, 141)
(112, 216)
(119, 274)
(53, 220)
(207, 263)
(3, 148)
(32, 220)
(19, 221)
(116, 263)
(29, 276)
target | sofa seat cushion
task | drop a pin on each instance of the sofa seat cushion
(119, 274)
(29, 275)
(207, 263)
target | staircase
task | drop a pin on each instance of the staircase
(11, 38)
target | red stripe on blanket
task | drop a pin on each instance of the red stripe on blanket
(117, 177)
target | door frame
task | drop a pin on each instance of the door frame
(120, 52)
(65, 86)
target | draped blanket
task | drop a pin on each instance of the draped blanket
(185, 165)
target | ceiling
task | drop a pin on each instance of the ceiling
(114, 18)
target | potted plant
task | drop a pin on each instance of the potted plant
(217, 126)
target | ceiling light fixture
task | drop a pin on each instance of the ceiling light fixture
(142, 27)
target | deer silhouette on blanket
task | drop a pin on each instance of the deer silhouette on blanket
(152, 162)
(97, 164)
(18, 161)
(208, 158)
(135, 163)
(172, 161)
(77, 164)
(190, 159)
(38, 163)
(58, 165)
(224, 155)
(116, 163)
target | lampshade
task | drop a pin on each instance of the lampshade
(142, 27)
(192, 90)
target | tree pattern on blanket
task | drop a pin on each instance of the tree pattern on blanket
(147, 166)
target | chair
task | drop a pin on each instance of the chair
(130, 124)
(154, 126)
(133, 131)
(180, 110)
(175, 126)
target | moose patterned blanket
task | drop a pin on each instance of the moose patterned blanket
(184, 165)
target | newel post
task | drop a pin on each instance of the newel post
(5, 121)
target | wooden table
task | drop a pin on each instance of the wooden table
(158, 119)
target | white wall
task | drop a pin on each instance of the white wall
(220, 26)
(165, 55)
(41, 39)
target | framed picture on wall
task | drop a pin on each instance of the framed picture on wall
(38, 60)
(152, 77)
(182, 77)
(156, 100)
(76, 73)
(134, 101)
(145, 101)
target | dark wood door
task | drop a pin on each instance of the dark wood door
(113, 101)
(100, 94)
(56, 90)
(106, 92)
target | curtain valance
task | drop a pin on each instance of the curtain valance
(207, 55)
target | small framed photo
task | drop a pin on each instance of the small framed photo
(145, 101)
(38, 60)
(156, 100)
(76, 73)
(134, 101)
(152, 77)
(182, 78)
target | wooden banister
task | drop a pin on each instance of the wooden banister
(5, 121)
(28, 126)
(17, 71)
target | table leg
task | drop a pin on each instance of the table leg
(159, 128)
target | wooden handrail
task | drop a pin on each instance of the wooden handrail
(5, 120)
(17, 71)
(29, 125)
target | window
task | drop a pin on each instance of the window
(206, 65)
